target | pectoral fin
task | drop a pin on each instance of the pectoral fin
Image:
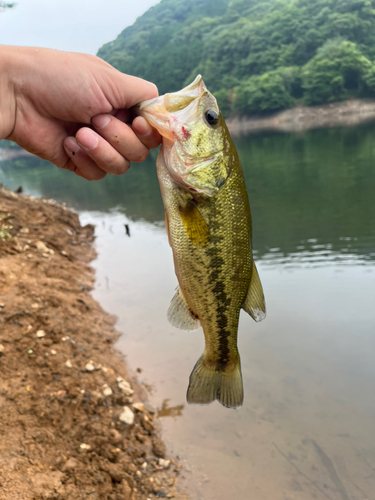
(179, 314)
(254, 303)
(194, 224)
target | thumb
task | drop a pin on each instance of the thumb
(126, 91)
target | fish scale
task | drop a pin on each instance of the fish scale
(209, 228)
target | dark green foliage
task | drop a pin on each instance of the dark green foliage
(6, 5)
(318, 50)
(262, 94)
(336, 72)
(369, 81)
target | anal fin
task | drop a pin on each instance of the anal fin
(254, 303)
(179, 314)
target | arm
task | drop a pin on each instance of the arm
(72, 109)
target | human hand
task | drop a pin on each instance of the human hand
(73, 110)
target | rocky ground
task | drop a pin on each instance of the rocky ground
(301, 118)
(73, 424)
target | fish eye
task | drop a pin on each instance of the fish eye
(212, 118)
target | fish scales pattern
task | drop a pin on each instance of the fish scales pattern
(209, 228)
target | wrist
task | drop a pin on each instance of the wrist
(7, 91)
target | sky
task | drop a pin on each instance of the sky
(74, 25)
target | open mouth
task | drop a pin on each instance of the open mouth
(158, 111)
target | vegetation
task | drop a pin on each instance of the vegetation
(5, 5)
(257, 56)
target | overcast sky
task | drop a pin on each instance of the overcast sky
(77, 25)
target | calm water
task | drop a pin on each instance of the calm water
(307, 428)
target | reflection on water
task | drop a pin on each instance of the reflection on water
(309, 194)
(306, 430)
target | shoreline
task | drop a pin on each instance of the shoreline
(302, 118)
(298, 119)
(75, 424)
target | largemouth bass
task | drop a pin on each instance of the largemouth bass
(208, 222)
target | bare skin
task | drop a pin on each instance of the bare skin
(73, 110)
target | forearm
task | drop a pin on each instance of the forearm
(7, 91)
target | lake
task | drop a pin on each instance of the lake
(306, 429)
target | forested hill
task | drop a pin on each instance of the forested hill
(255, 55)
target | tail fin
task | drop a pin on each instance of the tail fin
(207, 384)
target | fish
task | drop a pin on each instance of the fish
(209, 227)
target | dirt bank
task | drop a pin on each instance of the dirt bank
(302, 118)
(72, 422)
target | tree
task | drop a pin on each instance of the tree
(4, 5)
(336, 72)
(262, 94)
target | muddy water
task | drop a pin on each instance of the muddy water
(306, 430)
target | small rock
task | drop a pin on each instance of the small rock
(68, 364)
(2, 349)
(124, 387)
(29, 328)
(139, 407)
(172, 493)
(139, 473)
(85, 447)
(69, 232)
(149, 408)
(116, 436)
(53, 352)
(70, 465)
(30, 351)
(116, 473)
(107, 391)
(164, 463)
(41, 246)
(35, 306)
(89, 367)
(24, 230)
(105, 369)
(116, 450)
(40, 334)
(144, 465)
(158, 447)
(64, 339)
(127, 416)
(2, 305)
(65, 254)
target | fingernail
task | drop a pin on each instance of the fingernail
(71, 146)
(100, 121)
(87, 139)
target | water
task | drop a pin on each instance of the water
(306, 430)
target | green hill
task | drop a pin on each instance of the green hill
(257, 56)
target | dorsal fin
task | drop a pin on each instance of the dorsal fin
(179, 314)
(254, 303)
